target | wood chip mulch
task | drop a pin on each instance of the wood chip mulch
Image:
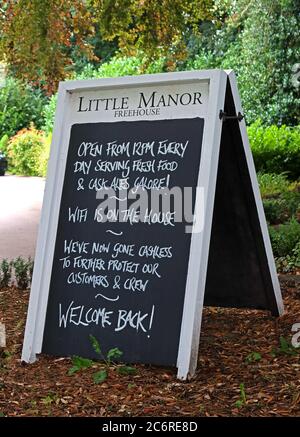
(271, 382)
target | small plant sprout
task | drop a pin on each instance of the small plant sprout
(285, 348)
(79, 363)
(100, 376)
(243, 399)
(252, 357)
(49, 399)
(113, 354)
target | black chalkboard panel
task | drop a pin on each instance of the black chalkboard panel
(123, 282)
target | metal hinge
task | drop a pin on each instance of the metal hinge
(223, 116)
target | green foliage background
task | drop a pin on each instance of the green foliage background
(259, 40)
(20, 105)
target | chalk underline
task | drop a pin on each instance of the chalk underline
(107, 298)
(114, 233)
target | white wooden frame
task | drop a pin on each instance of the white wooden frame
(199, 249)
(50, 212)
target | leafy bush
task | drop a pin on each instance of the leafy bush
(263, 61)
(4, 143)
(276, 149)
(296, 252)
(30, 265)
(49, 113)
(291, 202)
(5, 273)
(27, 152)
(44, 156)
(23, 272)
(266, 59)
(281, 198)
(20, 105)
(272, 184)
(275, 211)
(281, 208)
(290, 262)
(116, 67)
(285, 237)
(20, 269)
(202, 61)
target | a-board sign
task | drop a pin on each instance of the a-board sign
(151, 210)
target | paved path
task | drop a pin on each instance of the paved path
(20, 206)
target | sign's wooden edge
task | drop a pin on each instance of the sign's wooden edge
(144, 79)
(45, 241)
(199, 250)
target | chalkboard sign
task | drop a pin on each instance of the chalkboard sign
(122, 281)
(151, 202)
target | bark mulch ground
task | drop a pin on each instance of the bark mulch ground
(242, 371)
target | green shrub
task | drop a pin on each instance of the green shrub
(121, 66)
(275, 211)
(23, 272)
(262, 60)
(26, 152)
(5, 273)
(296, 253)
(4, 143)
(30, 265)
(283, 207)
(202, 61)
(115, 68)
(281, 198)
(285, 237)
(20, 268)
(291, 262)
(49, 113)
(291, 202)
(272, 184)
(44, 156)
(276, 149)
(20, 105)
